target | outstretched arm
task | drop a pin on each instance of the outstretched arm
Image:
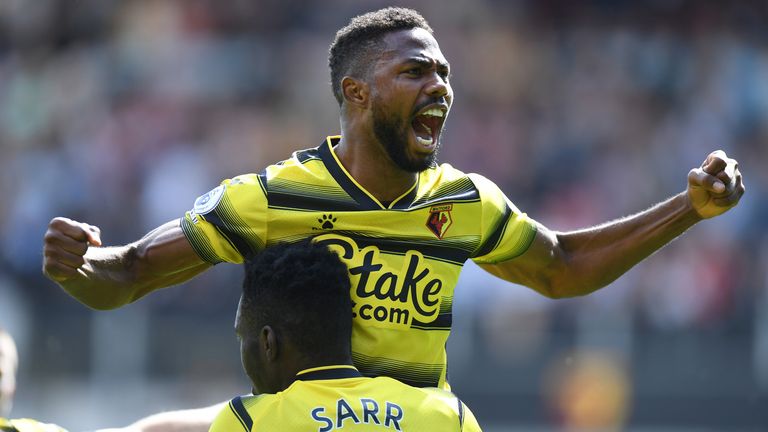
(110, 277)
(190, 420)
(568, 264)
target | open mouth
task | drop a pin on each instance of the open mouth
(427, 126)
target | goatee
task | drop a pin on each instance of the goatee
(392, 133)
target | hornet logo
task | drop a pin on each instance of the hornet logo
(440, 220)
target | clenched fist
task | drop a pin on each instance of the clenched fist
(716, 186)
(65, 245)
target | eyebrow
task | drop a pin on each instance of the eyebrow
(421, 61)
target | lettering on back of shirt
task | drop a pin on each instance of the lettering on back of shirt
(363, 411)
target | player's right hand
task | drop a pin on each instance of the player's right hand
(64, 247)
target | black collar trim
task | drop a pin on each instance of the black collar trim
(326, 374)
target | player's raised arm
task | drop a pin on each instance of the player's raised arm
(567, 264)
(110, 277)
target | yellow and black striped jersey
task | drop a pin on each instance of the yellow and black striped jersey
(404, 258)
(27, 425)
(339, 397)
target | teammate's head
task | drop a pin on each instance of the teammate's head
(390, 77)
(295, 313)
(9, 362)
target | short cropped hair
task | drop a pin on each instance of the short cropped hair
(355, 46)
(301, 290)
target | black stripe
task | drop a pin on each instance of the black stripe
(199, 242)
(306, 155)
(238, 242)
(365, 201)
(327, 374)
(461, 414)
(242, 413)
(452, 254)
(415, 374)
(410, 382)
(406, 201)
(442, 322)
(262, 178)
(451, 199)
(459, 190)
(492, 241)
(309, 202)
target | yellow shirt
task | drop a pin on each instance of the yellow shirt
(404, 257)
(337, 397)
(27, 425)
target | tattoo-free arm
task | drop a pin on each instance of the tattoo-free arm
(576, 263)
(580, 262)
(110, 277)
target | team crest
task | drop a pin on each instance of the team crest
(440, 219)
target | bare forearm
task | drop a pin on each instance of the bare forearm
(104, 281)
(596, 256)
(191, 420)
(114, 276)
(576, 263)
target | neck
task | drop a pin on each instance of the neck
(312, 362)
(364, 157)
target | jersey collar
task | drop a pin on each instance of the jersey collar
(352, 187)
(328, 372)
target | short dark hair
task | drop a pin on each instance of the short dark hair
(352, 50)
(301, 290)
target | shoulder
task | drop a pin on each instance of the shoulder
(440, 396)
(301, 162)
(451, 404)
(424, 396)
(241, 412)
(444, 172)
(28, 425)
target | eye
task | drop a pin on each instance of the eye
(416, 71)
(444, 73)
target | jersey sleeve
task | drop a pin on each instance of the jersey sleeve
(462, 418)
(468, 420)
(506, 232)
(228, 223)
(28, 425)
(232, 418)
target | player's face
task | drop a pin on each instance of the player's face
(411, 98)
(8, 363)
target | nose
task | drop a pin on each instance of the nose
(438, 87)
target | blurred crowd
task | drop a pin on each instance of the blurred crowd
(121, 113)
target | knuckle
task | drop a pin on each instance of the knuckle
(58, 222)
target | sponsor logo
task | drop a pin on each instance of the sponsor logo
(388, 291)
(326, 222)
(440, 219)
(208, 201)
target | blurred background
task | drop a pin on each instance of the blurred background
(121, 113)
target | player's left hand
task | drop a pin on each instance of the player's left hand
(716, 186)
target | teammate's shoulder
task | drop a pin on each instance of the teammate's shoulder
(439, 394)
(28, 425)
(252, 402)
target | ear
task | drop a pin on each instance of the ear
(355, 91)
(269, 343)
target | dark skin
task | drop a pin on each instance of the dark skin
(272, 361)
(410, 71)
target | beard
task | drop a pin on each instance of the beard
(392, 133)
